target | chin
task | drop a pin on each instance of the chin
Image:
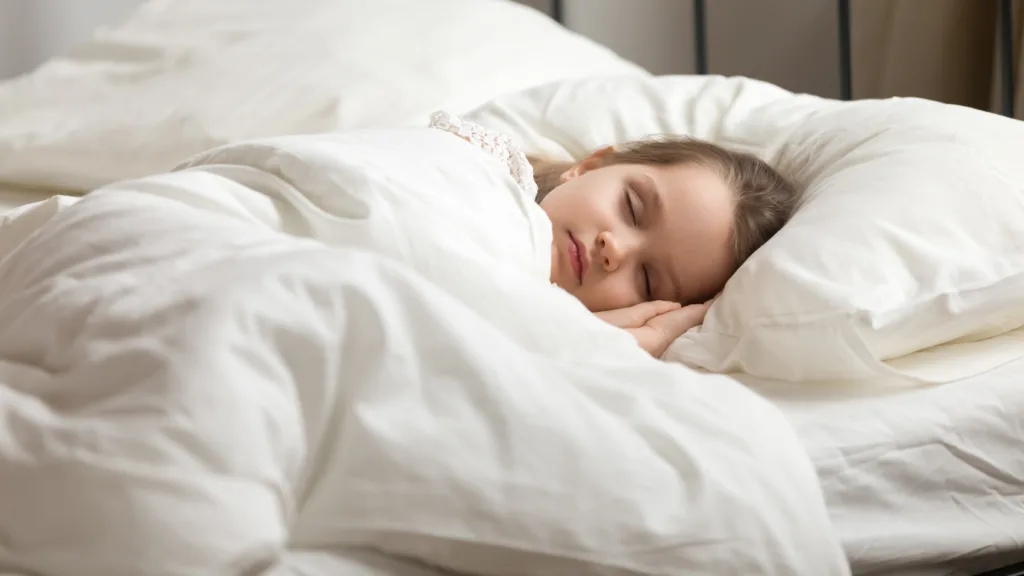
(570, 289)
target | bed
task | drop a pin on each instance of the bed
(917, 480)
(888, 449)
(11, 198)
(916, 457)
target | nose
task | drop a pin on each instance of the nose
(610, 250)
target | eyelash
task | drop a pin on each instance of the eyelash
(643, 269)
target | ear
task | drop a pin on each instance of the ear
(594, 160)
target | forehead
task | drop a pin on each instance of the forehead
(692, 182)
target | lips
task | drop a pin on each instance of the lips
(577, 258)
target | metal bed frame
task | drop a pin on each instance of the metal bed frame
(1006, 73)
(700, 28)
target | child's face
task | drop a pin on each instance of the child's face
(641, 233)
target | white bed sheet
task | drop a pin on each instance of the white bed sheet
(13, 198)
(919, 478)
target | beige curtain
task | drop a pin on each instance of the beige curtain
(939, 49)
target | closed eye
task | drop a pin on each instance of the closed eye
(644, 277)
(646, 283)
(631, 205)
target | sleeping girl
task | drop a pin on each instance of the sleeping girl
(646, 233)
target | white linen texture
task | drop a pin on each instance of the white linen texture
(188, 389)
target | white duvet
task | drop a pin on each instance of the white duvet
(185, 389)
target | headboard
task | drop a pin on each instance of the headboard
(1005, 25)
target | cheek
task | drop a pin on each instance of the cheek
(586, 212)
(611, 293)
(557, 205)
(578, 197)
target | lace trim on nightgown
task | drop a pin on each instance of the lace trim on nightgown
(494, 143)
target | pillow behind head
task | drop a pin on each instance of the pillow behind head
(906, 256)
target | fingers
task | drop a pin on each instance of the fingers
(658, 307)
(644, 312)
(675, 323)
(638, 315)
(615, 317)
(655, 325)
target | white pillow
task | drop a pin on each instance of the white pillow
(183, 76)
(910, 236)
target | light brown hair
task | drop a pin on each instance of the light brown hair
(764, 200)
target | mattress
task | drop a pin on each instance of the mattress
(919, 480)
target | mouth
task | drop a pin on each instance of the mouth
(577, 258)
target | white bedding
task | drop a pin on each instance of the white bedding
(183, 386)
(926, 482)
(949, 459)
(944, 465)
(919, 478)
(12, 198)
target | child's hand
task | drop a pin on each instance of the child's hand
(656, 324)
